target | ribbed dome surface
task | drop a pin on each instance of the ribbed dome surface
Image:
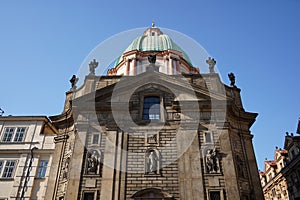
(153, 43)
(156, 42)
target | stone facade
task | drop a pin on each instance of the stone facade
(26, 155)
(153, 134)
(281, 176)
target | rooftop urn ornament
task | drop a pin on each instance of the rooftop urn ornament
(73, 81)
(93, 65)
(231, 77)
(211, 62)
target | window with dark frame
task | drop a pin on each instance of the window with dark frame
(151, 109)
(1, 165)
(12, 134)
(208, 137)
(95, 139)
(8, 134)
(9, 169)
(214, 195)
(88, 196)
(19, 136)
(42, 169)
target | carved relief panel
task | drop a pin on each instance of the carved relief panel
(93, 162)
(152, 139)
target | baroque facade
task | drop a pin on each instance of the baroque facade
(281, 176)
(154, 127)
(26, 153)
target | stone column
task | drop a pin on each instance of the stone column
(133, 67)
(170, 71)
(127, 67)
(165, 69)
(177, 66)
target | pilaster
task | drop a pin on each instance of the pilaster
(229, 166)
(76, 162)
(253, 170)
(55, 168)
(107, 187)
(189, 164)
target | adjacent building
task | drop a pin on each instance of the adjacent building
(26, 153)
(154, 127)
(281, 176)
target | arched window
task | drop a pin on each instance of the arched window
(151, 109)
(151, 194)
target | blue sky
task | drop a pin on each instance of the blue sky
(42, 43)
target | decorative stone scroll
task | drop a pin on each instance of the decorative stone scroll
(66, 168)
(67, 163)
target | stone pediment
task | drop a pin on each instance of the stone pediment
(151, 80)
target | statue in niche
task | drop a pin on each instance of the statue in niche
(152, 59)
(212, 161)
(93, 162)
(152, 162)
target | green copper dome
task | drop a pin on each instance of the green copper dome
(154, 40)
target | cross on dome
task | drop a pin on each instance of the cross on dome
(153, 24)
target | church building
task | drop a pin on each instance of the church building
(154, 127)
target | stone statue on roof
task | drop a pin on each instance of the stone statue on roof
(93, 65)
(73, 81)
(231, 77)
(211, 62)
